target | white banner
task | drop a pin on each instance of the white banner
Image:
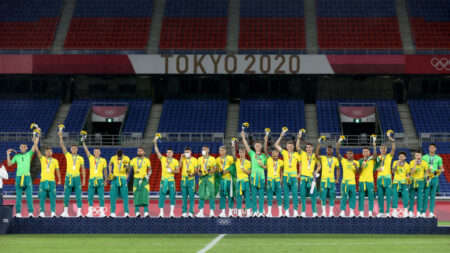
(231, 64)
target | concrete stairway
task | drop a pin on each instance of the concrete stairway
(409, 128)
(52, 135)
(404, 26)
(234, 8)
(63, 27)
(312, 45)
(232, 124)
(152, 126)
(311, 123)
(155, 31)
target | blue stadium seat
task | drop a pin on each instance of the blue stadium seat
(430, 116)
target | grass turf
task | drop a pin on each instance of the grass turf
(230, 243)
(443, 223)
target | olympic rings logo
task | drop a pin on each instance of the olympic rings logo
(440, 64)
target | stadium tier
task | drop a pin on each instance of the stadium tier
(135, 121)
(194, 24)
(18, 114)
(197, 116)
(430, 116)
(430, 23)
(110, 24)
(28, 24)
(328, 115)
(272, 113)
(357, 25)
(270, 24)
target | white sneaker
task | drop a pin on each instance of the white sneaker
(370, 214)
(331, 213)
(249, 214)
(405, 213)
(431, 215)
(295, 215)
(200, 214)
(314, 215)
(18, 215)
(352, 214)
(191, 215)
(161, 214)
(380, 215)
(211, 214)
(30, 215)
(64, 214)
(79, 213)
(231, 212)
(126, 215)
(287, 213)
(342, 214)
(269, 214)
(172, 215)
(303, 215)
(146, 215)
(418, 215)
(184, 215)
(89, 214)
(222, 214)
(102, 212)
(361, 215)
(113, 215)
(239, 214)
(53, 214)
(138, 215)
(395, 214)
(42, 215)
(255, 214)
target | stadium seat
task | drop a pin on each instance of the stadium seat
(110, 24)
(194, 24)
(430, 116)
(269, 24)
(358, 26)
(28, 24)
(430, 23)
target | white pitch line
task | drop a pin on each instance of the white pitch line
(212, 243)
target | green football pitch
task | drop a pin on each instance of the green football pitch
(225, 243)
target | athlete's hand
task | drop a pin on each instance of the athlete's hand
(155, 139)
(8, 152)
(260, 163)
(243, 134)
(283, 132)
(266, 137)
(60, 134)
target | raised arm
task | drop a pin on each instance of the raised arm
(338, 173)
(36, 148)
(155, 141)
(338, 154)
(374, 150)
(247, 147)
(297, 143)
(266, 145)
(318, 149)
(277, 143)
(8, 157)
(86, 150)
(61, 142)
(393, 146)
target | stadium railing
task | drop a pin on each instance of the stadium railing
(124, 139)
(16, 136)
(191, 136)
(434, 137)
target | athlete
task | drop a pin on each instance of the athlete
(224, 162)
(188, 172)
(274, 168)
(418, 168)
(206, 167)
(384, 180)
(119, 170)
(434, 163)
(348, 183)
(142, 169)
(23, 176)
(73, 182)
(257, 177)
(97, 179)
(366, 168)
(243, 170)
(329, 163)
(402, 173)
(169, 167)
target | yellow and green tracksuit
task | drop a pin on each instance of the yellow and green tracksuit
(273, 180)
(141, 188)
(23, 180)
(308, 163)
(167, 181)
(96, 183)
(224, 164)
(384, 181)
(348, 184)
(327, 184)
(418, 184)
(400, 185)
(73, 180)
(242, 184)
(119, 185)
(188, 183)
(47, 187)
(366, 186)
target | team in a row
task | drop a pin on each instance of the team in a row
(237, 178)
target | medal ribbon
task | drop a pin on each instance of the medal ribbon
(290, 159)
(96, 164)
(74, 162)
(48, 164)
(139, 166)
(168, 163)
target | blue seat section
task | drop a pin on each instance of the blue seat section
(136, 120)
(196, 8)
(18, 114)
(274, 114)
(186, 115)
(329, 122)
(431, 116)
(272, 8)
(29, 10)
(356, 8)
(196, 146)
(431, 10)
(113, 8)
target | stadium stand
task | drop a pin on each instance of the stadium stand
(430, 116)
(110, 24)
(274, 114)
(26, 24)
(135, 122)
(430, 23)
(358, 25)
(194, 24)
(18, 114)
(328, 115)
(202, 115)
(271, 24)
